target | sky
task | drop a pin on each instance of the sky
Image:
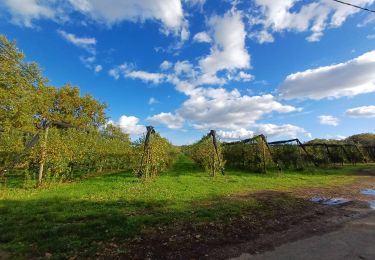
(283, 68)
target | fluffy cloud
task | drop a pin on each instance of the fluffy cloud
(328, 120)
(127, 71)
(364, 111)
(269, 130)
(349, 78)
(242, 76)
(130, 125)
(292, 15)
(168, 119)
(285, 131)
(228, 54)
(23, 12)
(240, 133)
(168, 12)
(202, 37)
(155, 78)
(228, 51)
(183, 67)
(218, 108)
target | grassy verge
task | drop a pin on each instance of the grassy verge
(69, 218)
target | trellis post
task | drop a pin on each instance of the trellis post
(214, 140)
(43, 152)
(146, 152)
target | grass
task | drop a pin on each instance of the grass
(71, 218)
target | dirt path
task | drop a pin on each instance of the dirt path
(355, 240)
(347, 234)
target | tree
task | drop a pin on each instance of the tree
(18, 84)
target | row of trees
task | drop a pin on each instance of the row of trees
(255, 154)
(208, 154)
(56, 133)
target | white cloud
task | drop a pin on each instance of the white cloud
(364, 111)
(227, 54)
(168, 12)
(87, 43)
(328, 120)
(202, 37)
(269, 130)
(370, 36)
(349, 78)
(228, 51)
(155, 78)
(23, 12)
(168, 119)
(183, 67)
(130, 125)
(98, 68)
(293, 15)
(262, 36)
(219, 108)
(240, 133)
(281, 131)
(338, 137)
(127, 70)
(242, 76)
(165, 65)
(152, 101)
(185, 34)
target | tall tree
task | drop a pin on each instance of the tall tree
(19, 82)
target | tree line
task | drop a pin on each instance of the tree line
(55, 133)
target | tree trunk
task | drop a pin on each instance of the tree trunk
(43, 154)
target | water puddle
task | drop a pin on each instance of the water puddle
(372, 204)
(370, 192)
(331, 201)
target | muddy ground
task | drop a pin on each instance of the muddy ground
(252, 233)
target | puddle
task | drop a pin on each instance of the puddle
(370, 192)
(372, 204)
(331, 202)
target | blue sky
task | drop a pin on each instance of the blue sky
(282, 68)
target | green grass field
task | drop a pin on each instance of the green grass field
(62, 219)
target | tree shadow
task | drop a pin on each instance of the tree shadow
(66, 227)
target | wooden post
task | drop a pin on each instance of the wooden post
(213, 134)
(43, 154)
(329, 153)
(264, 156)
(144, 171)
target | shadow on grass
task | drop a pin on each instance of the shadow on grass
(67, 227)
